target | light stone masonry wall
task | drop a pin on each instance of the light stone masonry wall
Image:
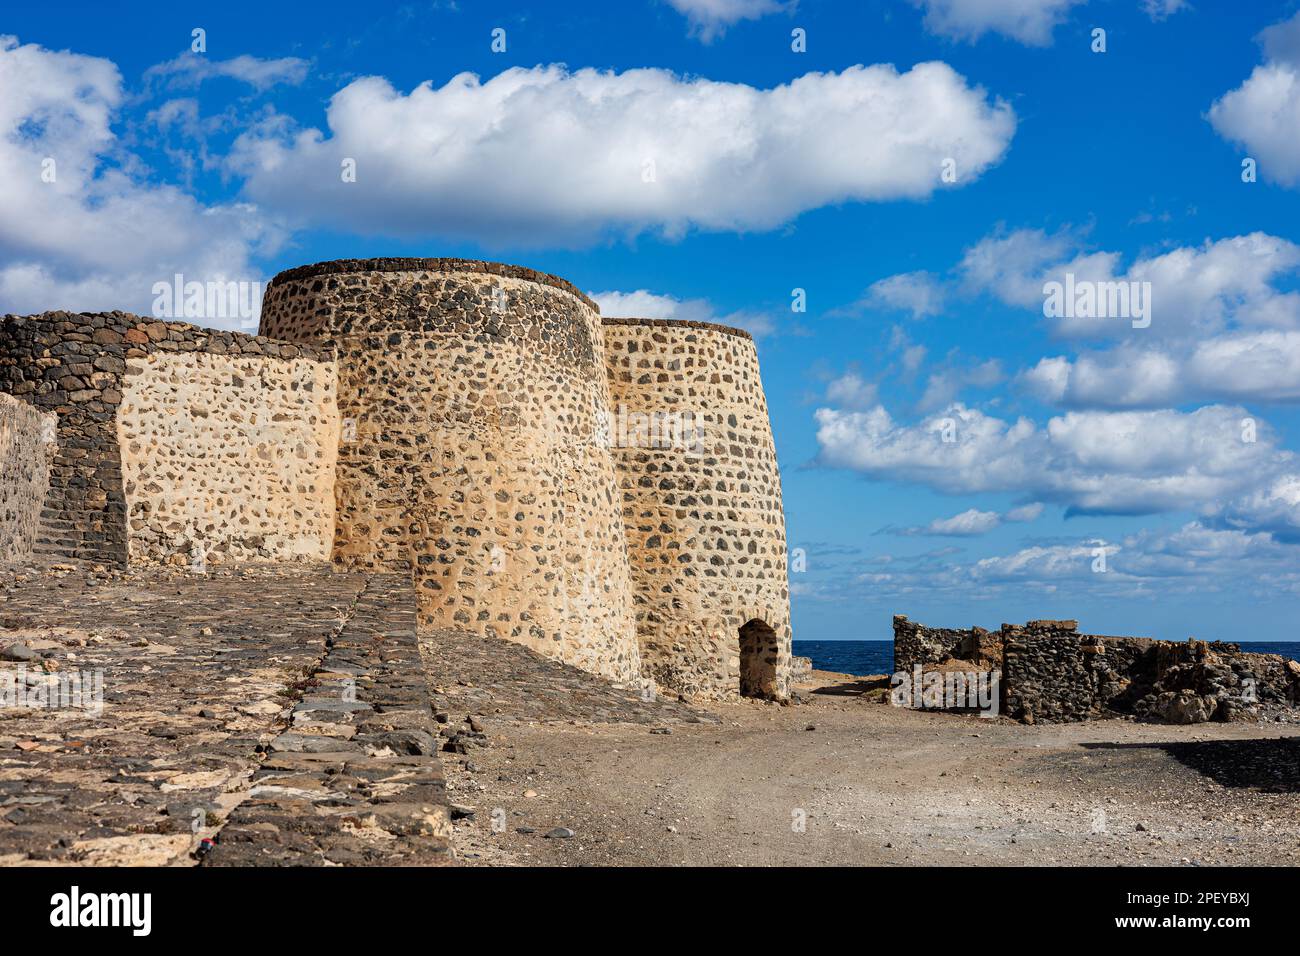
(74, 365)
(705, 526)
(26, 450)
(231, 456)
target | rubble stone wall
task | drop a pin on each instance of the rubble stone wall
(475, 452)
(701, 494)
(1048, 678)
(26, 450)
(229, 455)
(1052, 673)
(917, 644)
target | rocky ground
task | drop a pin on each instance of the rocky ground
(845, 780)
(245, 718)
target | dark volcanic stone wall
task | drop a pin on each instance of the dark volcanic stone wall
(74, 365)
(474, 453)
(917, 644)
(1048, 677)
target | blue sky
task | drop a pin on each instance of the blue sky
(777, 170)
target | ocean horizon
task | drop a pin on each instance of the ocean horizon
(861, 658)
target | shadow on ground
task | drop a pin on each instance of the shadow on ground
(1271, 766)
(854, 688)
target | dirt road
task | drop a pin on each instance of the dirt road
(844, 780)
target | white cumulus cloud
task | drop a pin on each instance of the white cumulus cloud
(192, 69)
(1029, 512)
(93, 236)
(1263, 114)
(851, 390)
(1029, 21)
(1194, 289)
(545, 155)
(968, 523)
(1224, 319)
(1092, 462)
(918, 293)
(972, 522)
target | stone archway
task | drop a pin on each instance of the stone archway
(759, 650)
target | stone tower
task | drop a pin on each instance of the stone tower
(702, 505)
(474, 449)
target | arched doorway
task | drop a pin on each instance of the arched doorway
(758, 654)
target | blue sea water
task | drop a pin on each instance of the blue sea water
(877, 657)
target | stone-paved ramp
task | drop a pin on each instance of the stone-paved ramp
(355, 779)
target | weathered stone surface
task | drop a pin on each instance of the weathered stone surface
(356, 780)
(191, 474)
(801, 668)
(702, 507)
(232, 455)
(917, 644)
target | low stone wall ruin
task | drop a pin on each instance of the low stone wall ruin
(1052, 673)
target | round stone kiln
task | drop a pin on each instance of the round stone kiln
(474, 449)
(702, 506)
